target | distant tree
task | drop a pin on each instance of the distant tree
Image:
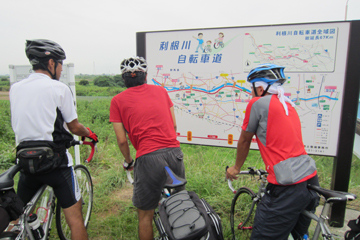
(119, 80)
(84, 82)
(4, 79)
(104, 81)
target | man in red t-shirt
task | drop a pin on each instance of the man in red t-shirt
(146, 114)
(276, 124)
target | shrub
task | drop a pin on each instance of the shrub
(84, 82)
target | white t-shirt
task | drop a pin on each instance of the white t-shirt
(40, 106)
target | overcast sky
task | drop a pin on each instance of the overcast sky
(98, 35)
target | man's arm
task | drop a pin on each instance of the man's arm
(243, 148)
(120, 133)
(77, 128)
(173, 116)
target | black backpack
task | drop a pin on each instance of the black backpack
(354, 233)
(184, 216)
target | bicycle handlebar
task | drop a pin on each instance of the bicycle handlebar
(252, 171)
(128, 174)
(91, 144)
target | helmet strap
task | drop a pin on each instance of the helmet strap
(254, 89)
(265, 91)
(53, 75)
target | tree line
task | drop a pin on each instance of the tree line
(105, 81)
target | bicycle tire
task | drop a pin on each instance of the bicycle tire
(242, 213)
(86, 188)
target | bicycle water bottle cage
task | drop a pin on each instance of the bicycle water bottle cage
(331, 195)
(7, 178)
(172, 180)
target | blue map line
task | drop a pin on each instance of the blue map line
(201, 89)
(169, 89)
(308, 99)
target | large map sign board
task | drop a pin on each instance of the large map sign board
(204, 72)
(207, 82)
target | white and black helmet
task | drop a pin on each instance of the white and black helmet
(133, 64)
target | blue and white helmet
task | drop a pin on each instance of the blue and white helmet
(269, 73)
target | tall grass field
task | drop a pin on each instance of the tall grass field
(114, 216)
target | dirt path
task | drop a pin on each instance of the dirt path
(4, 95)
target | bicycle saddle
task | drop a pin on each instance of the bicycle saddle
(332, 195)
(7, 178)
(172, 180)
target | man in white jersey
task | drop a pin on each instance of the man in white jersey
(42, 114)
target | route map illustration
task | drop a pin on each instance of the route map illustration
(210, 100)
(310, 50)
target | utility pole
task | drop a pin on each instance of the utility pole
(346, 9)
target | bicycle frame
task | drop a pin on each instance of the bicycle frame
(23, 225)
(320, 226)
(25, 230)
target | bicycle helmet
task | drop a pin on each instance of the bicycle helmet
(268, 73)
(39, 51)
(42, 48)
(133, 64)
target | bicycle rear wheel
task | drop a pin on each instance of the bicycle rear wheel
(243, 208)
(86, 188)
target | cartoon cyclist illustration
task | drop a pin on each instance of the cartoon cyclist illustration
(201, 42)
(219, 42)
(207, 47)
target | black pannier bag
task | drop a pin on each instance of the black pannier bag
(40, 157)
(354, 233)
(184, 216)
(12, 203)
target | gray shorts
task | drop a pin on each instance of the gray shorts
(150, 176)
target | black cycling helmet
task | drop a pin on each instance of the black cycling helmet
(268, 73)
(42, 48)
(39, 51)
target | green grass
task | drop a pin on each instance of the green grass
(113, 215)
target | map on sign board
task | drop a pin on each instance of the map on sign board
(204, 72)
(311, 50)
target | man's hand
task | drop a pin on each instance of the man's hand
(128, 166)
(91, 135)
(231, 173)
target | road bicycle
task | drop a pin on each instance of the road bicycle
(243, 207)
(43, 203)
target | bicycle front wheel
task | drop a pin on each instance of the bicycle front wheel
(243, 208)
(86, 188)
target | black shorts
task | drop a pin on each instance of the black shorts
(279, 212)
(150, 175)
(62, 180)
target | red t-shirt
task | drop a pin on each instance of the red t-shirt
(278, 136)
(145, 113)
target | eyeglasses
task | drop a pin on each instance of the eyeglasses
(60, 61)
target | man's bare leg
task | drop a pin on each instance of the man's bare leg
(145, 224)
(74, 219)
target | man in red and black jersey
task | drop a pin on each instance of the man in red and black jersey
(272, 118)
